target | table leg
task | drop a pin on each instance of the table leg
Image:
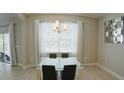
(58, 75)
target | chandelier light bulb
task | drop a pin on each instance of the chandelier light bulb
(57, 26)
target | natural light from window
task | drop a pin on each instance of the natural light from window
(52, 41)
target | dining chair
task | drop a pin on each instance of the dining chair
(49, 72)
(64, 55)
(52, 55)
(69, 72)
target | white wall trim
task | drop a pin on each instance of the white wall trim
(110, 71)
(105, 69)
(89, 64)
(29, 66)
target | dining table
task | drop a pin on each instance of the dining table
(59, 64)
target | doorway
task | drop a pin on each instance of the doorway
(5, 48)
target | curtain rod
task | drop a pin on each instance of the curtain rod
(60, 21)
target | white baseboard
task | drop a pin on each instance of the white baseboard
(19, 64)
(89, 64)
(110, 71)
(29, 66)
(105, 69)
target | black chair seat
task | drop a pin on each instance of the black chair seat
(64, 55)
(52, 55)
(69, 72)
(49, 72)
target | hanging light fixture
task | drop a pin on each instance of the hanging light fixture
(57, 27)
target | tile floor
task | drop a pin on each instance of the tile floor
(96, 73)
(7, 72)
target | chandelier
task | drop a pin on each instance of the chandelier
(60, 28)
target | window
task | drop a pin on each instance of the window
(4, 47)
(52, 41)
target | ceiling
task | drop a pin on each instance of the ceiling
(91, 15)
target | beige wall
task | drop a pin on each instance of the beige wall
(110, 55)
(90, 35)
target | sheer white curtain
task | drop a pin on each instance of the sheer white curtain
(48, 38)
(80, 52)
(69, 39)
(52, 41)
(12, 43)
(36, 43)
